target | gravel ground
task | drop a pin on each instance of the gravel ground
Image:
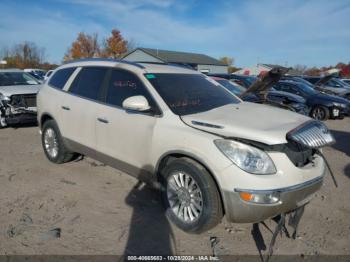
(85, 207)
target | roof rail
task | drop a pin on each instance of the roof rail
(168, 64)
(105, 60)
(152, 62)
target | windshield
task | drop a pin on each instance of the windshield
(307, 89)
(190, 93)
(250, 79)
(235, 89)
(16, 78)
(341, 83)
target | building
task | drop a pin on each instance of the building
(200, 62)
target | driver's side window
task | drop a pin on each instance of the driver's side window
(124, 84)
(284, 87)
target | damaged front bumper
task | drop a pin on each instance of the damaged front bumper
(16, 114)
(283, 200)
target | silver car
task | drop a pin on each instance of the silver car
(18, 92)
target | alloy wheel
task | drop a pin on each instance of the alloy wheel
(318, 113)
(51, 143)
(184, 196)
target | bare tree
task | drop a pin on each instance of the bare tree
(300, 69)
(24, 55)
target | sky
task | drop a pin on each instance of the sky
(288, 32)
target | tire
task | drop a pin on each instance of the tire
(320, 113)
(62, 154)
(210, 213)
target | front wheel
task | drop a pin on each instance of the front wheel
(53, 144)
(190, 196)
(320, 113)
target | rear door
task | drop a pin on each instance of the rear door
(80, 105)
(124, 138)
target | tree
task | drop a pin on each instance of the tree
(24, 55)
(227, 60)
(314, 71)
(84, 46)
(299, 69)
(115, 46)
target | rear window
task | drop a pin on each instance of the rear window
(59, 79)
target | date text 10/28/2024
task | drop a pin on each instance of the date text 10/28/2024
(172, 258)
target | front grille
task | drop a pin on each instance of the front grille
(312, 134)
(25, 100)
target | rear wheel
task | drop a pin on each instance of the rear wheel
(53, 144)
(190, 196)
(320, 113)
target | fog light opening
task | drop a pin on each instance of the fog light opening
(260, 198)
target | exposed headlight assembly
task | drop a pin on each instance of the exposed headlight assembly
(248, 158)
(4, 98)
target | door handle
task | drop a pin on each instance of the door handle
(103, 120)
(65, 108)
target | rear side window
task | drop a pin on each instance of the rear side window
(88, 82)
(124, 84)
(59, 79)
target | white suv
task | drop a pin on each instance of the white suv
(210, 153)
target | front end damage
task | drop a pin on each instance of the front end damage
(17, 109)
(307, 139)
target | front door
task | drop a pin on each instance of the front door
(125, 138)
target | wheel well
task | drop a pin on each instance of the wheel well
(44, 118)
(168, 158)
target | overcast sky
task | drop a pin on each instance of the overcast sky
(310, 32)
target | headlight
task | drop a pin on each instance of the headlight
(339, 105)
(248, 158)
(5, 98)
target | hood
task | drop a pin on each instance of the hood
(256, 122)
(331, 98)
(20, 89)
(292, 97)
(264, 83)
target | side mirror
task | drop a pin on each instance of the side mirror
(136, 103)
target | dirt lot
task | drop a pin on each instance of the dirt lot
(96, 209)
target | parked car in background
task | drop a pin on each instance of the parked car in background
(322, 106)
(18, 92)
(47, 75)
(297, 79)
(242, 80)
(208, 152)
(37, 73)
(345, 80)
(331, 85)
(274, 98)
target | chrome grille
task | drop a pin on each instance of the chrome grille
(312, 134)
